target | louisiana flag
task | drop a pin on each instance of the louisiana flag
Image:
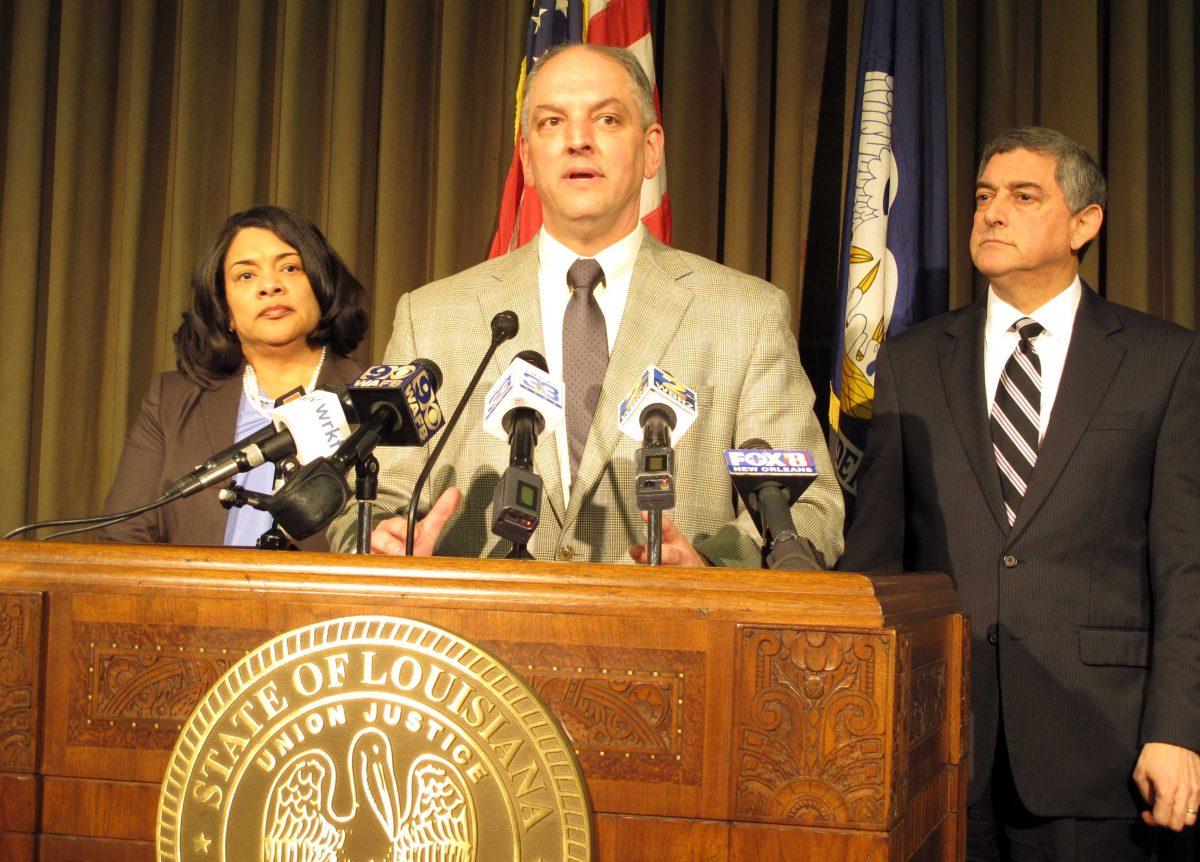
(894, 263)
(621, 23)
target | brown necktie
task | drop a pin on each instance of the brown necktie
(585, 354)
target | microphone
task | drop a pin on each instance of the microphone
(309, 427)
(523, 404)
(408, 392)
(657, 407)
(393, 403)
(504, 326)
(769, 481)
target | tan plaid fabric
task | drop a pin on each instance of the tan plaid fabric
(723, 333)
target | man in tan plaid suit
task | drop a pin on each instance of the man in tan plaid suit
(590, 137)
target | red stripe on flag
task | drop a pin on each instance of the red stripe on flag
(658, 221)
(510, 205)
(620, 23)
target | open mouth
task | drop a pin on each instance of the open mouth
(582, 175)
(275, 312)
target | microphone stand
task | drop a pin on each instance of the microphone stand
(366, 486)
(273, 538)
(654, 537)
(656, 475)
(519, 551)
(234, 495)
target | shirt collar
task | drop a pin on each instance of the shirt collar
(1057, 316)
(617, 260)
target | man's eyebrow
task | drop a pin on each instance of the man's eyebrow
(595, 106)
(1016, 184)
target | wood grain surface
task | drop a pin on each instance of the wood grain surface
(716, 714)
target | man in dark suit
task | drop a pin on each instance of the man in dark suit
(1040, 447)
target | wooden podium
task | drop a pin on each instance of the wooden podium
(718, 714)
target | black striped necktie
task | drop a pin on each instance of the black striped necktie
(1015, 416)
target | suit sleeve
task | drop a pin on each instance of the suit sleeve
(399, 466)
(776, 405)
(875, 537)
(139, 474)
(1172, 712)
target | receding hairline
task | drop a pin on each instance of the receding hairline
(642, 101)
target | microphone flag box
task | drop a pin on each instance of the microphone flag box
(523, 385)
(317, 423)
(412, 389)
(657, 387)
(795, 469)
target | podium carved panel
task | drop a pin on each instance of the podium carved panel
(632, 714)
(20, 658)
(133, 685)
(813, 724)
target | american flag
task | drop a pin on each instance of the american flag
(622, 23)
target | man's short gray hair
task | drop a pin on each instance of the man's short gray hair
(1076, 171)
(640, 87)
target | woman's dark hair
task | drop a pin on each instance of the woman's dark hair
(207, 352)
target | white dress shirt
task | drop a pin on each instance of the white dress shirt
(554, 259)
(1057, 318)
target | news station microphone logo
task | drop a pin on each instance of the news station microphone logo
(542, 387)
(523, 385)
(770, 462)
(385, 376)
(417, 387)
(423, 405)
(657, 387)
(665, 383)
(317, 424)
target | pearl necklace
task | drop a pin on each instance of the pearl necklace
(263, 405)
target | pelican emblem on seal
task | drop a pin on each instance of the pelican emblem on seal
(437, 823)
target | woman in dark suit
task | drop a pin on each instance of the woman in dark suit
(273, 308)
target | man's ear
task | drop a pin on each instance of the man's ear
(1085, 225)
(523, 149)
(654, 140)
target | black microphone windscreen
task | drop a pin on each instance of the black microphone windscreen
(342, 391)
(535, 359)
(504, 326)
(755, 443)
(434, 371)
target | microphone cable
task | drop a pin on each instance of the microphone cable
(95, 522)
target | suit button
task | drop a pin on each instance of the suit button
(1010, 562)
(993, 636)
(566, 553)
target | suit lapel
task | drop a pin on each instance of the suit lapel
(656, 305)
(220, 409)
(514, 287)
(960, 356)
(1092, 360)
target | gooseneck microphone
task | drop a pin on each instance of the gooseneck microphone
(523, 404)
(769, 481)
(504, 326)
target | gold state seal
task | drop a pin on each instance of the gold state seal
(372, 739)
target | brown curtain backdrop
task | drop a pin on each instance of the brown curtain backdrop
(129, 130)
